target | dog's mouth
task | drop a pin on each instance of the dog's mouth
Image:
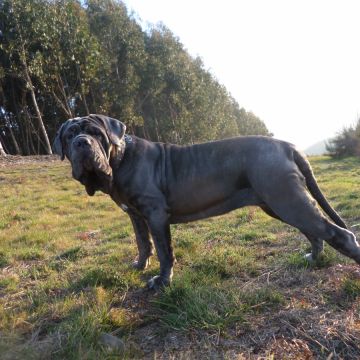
(92, 170)
(93, 182)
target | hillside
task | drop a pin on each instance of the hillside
(241, 287)
(318, 148)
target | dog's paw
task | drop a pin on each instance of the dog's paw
(141, 265)
(309, 257)
(157, 282)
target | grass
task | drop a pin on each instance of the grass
(241, 286)
(185, 305)
(328, 258)
(351, 287)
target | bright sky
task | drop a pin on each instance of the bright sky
(294, 63)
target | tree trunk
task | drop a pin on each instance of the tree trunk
(13, 138)
(18, 120)
(85, 103)
(24, 139)
(61, 87)
(39, 118)
(93, 102)
(33, 98)
(22, 122)
(82, 93)
(64, 108)
(2, 151)
(29, 132)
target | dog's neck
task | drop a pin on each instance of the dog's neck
(117, 152)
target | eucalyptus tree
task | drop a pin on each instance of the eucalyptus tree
(193, 105)
(66, 58)
(248, 123)
(123, 52)
(26, 35)
(71, 61)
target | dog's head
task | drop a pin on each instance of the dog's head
(90, 143)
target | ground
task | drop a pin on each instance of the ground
(241, 289)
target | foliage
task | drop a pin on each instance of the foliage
(351, 286)
(60, 59)
(346, 143)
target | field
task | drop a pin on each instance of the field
(241, 288)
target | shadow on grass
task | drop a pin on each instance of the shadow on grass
(105, 277)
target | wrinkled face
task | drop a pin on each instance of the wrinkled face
(81, 134)
(88, 143)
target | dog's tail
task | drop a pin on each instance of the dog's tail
(314, 189)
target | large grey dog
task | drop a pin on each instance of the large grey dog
(161, 184)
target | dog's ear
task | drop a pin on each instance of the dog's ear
(114, 128)
(57, 146)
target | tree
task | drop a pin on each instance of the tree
(346, 142)
(123, 53)
(66, 58)
(248, 123)
(25, 28)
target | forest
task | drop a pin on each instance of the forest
(61, 59)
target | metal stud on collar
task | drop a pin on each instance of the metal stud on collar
(128, 139)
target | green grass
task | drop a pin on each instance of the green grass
(328, 258)
(108, 278)
(351, 287)
(4, 261)
(187, 305)
(66, 275)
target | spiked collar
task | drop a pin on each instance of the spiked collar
(120, 151)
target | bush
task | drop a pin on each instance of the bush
(346, 143)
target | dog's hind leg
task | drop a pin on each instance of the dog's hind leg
(268, 211)
(345, 242)
(317, 245)
(292, 204)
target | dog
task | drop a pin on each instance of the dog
(159, 184)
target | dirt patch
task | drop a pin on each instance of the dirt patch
(11, 160)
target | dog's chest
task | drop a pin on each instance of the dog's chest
(119, 201)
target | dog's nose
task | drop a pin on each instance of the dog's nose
(82, 142)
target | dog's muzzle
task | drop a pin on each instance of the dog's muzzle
(81, 142)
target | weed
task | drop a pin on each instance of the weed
(351, 287)
(27, 254)
(9, 283)
(4, 260)
(183, 306)
(79, 333)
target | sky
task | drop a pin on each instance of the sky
(294, 63)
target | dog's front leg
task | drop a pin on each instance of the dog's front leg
(158, 224)
(143, 242)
